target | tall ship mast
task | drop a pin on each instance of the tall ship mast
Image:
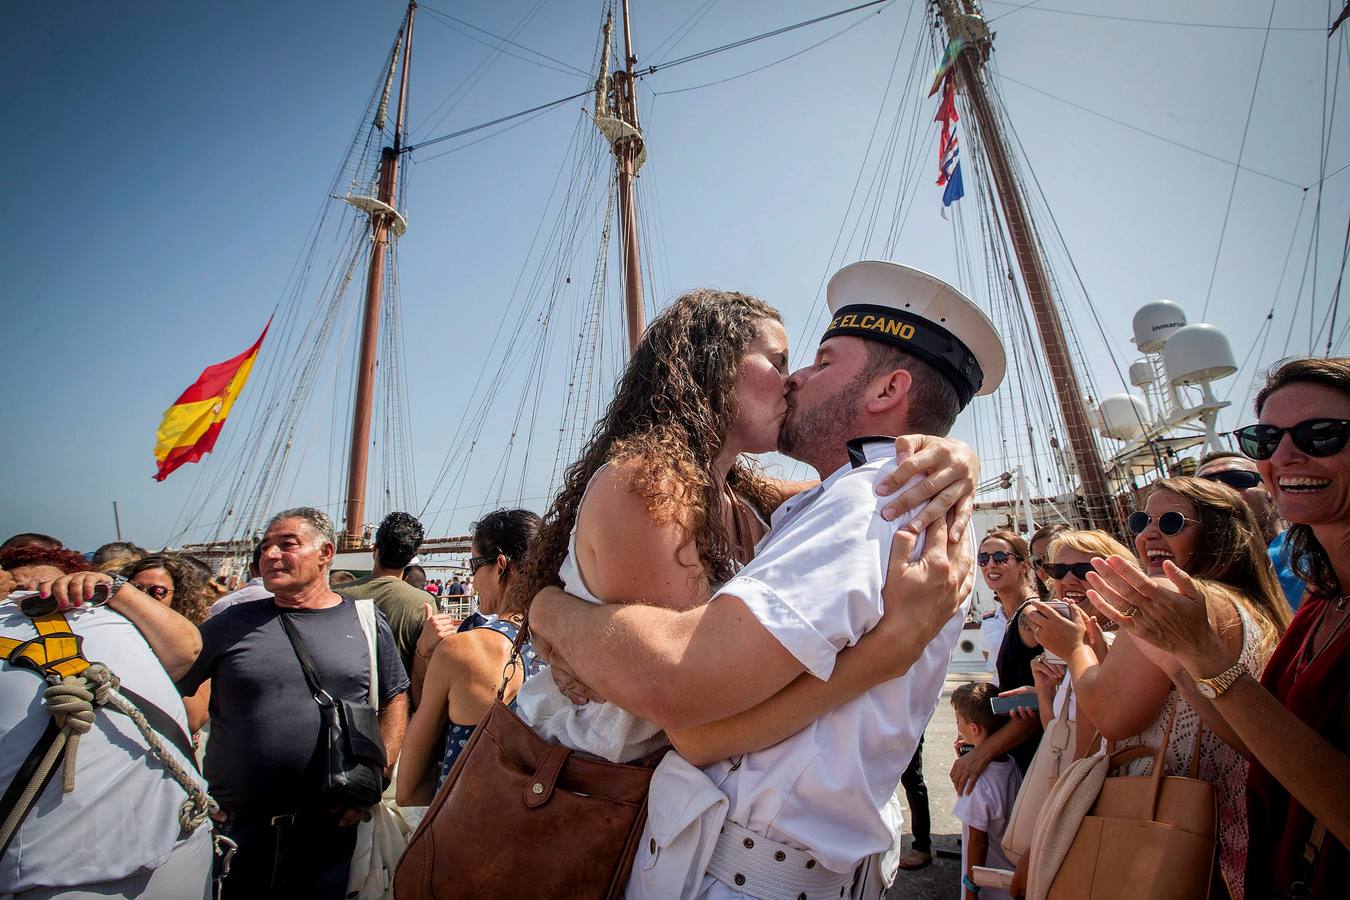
(386, 225)
(965, 24)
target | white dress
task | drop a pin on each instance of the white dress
(599, 728)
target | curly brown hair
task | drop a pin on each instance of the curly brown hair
(672, 409)
(1231, 552)
(191, 592)
(1307, 557)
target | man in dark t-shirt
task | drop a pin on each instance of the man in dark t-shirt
(265, 762)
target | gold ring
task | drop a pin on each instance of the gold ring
(1129, 612)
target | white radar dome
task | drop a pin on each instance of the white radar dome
(1141, 373)
(1122, 416)
(1198, 353)
(1155, 322)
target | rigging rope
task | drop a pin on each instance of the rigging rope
(1237, 169)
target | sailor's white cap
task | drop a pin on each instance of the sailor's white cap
(922, 315)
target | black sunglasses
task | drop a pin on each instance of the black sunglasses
(158, 591)
(1237, 479)
(1315, 437)
(998, 556)
(477, 562)
(1059, 571)
(1169, 523)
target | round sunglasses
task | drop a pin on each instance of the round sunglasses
(1237, 479)
(158, 591)
(1169, 523)
(1315, 437)
(998, 556)
(1060, 571)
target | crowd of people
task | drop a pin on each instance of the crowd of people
(768, 652)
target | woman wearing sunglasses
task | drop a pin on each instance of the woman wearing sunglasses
(1135, 692)
(1004, 561)
(1294, 722)
(466, 668)
(174, 582)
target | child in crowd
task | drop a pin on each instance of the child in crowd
(984, 811)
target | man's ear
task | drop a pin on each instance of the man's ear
(888, 391)
(326, 553)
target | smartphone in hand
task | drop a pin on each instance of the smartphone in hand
(1005, 705)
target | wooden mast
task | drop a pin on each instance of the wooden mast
(627, 150)
(383, 218)
(964, 21)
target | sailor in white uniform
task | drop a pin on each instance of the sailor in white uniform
(904, 353)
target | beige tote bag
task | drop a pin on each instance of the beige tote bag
(1052, 757)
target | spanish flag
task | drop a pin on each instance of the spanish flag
(190, 427)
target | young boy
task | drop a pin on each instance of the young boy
(984, 811)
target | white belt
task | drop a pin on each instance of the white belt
(753, 864)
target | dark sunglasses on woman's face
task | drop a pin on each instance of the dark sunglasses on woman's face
(1237, 479)
(477, 562)
(1059, 571)
(1169, 523)
(158, 591)
(1315, 437)
(997, 556)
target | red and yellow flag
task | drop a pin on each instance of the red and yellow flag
(190, 427)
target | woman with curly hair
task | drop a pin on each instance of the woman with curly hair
(664, 480)
(174, 582)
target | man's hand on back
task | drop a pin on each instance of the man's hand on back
(950, 469)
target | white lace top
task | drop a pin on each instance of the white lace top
(1220, 764)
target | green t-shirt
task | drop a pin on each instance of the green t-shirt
(402, 604)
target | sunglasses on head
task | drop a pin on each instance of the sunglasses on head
(1237, 479)
(1315, 437)
(998, 556)
(1059, 571)
(158, 591)
(1169, 523)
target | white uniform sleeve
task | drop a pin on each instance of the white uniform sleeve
(816, 584)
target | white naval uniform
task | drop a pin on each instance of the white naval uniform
(815, 584)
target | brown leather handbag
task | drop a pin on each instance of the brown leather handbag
(521, 815)
(1119, 837)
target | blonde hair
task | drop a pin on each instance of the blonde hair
(1091, 542)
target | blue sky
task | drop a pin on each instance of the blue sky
(167, 160)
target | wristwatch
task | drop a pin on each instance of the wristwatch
(969, 885)
(104, 593)
(1210, 688)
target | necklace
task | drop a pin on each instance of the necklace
(1310, 651)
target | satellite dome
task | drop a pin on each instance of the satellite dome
(1122, 416)
(1155, 322)
(1198, 353)
(1141, 373)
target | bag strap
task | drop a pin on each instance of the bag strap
(306, 661)
(365, 614)
(513, 662)
(10, 815)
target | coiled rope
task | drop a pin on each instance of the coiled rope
(72, 703)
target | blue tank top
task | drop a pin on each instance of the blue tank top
(457, 737)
